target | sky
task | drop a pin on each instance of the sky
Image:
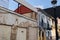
(43, 4)
(12, 5)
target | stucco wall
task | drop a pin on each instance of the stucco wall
(11, 19)
(33, 33)
(21, 34)
(16, 21)
(5, 32)
(28, 14)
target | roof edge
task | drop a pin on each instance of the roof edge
(23, 2)
(9, 11)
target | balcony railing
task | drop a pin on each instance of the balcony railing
(45, 26)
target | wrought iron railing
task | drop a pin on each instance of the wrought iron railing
(45, 26)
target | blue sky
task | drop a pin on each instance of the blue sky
(12, 5)
(42, 3)
(36, 3)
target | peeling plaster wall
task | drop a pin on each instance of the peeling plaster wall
(11, 19)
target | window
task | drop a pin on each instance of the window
(42, 22)
(47, 24)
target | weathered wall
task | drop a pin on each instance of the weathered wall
(5, 32)
(32, 15)
(21, 34)
(33, 33)
(17, 27)
(28, 14)
(11, 19)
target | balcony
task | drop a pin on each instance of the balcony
(45, 26)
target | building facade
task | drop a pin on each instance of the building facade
(25, 23)
(14, 26)
(43, 20)
(59, 27)
(50, 11)
(45, 23)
